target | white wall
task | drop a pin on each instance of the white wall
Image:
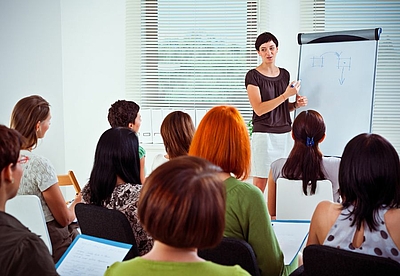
(31, 63)
(73, 54)
(93, 51)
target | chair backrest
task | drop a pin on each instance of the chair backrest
(293, 204)
(331, 261)
(28, 210)
(106, 223)
(232, 251)
(69, 179)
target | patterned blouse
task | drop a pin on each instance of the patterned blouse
(125, 198)
(376, 243)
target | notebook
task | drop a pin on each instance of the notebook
(90, 256)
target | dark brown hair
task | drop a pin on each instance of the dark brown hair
(177, 131)
(122, 112)
(305, 159)
(25, 116)
(182, 203)
(369, 177)
(10, 145)
(264, 38)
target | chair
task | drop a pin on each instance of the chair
(106, 223)
(330, 261)
(69, 179)
(28, 210)
(293, 204)
(232, 251)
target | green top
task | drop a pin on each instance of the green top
(139, 266)
(247, 218)
(142, 152)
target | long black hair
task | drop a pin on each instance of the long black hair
(117, 154)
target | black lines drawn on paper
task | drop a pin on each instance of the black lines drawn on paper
(342, 63)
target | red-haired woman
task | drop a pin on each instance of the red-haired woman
(222, 138)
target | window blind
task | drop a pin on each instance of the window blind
(191, 54)
(338, 15)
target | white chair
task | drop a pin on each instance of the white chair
(28, 210)
(293, 204)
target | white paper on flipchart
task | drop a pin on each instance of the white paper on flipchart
(88, 257)
(291, 236)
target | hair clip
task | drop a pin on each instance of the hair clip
(310, 141)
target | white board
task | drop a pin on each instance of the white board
(338, 78)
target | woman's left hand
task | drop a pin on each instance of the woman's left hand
(301, 101)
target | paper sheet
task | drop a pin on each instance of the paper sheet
(291, 235)
(90, 256)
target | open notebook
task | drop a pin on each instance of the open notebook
(87, 256)
(291, 235)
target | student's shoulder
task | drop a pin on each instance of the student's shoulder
(242, 189)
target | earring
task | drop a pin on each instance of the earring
(12, 180)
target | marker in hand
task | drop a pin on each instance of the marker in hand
(294, 84)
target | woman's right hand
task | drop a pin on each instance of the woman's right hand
(292, 89)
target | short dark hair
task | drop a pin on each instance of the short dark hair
(10, 145)
(369, 177)
(177, 130)
(26, 114)
(117, 154)
(182, 203)
(264, 38)
(305, 160)
(122, 113)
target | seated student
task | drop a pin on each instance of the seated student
(21, 251)
(223, 139)
(126, 114)
(305, 160)
(182, 206)
(367, 221)
(31, 117)
(115, 182)
(177, 131)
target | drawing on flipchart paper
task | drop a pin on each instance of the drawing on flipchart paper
(342, 63)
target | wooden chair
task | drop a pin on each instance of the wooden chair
(232, 251)
(28, 210)
(293, 204)
(69, 179)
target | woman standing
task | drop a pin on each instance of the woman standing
(268, 89)
(31, 117)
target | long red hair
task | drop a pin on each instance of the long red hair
(223, 139)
